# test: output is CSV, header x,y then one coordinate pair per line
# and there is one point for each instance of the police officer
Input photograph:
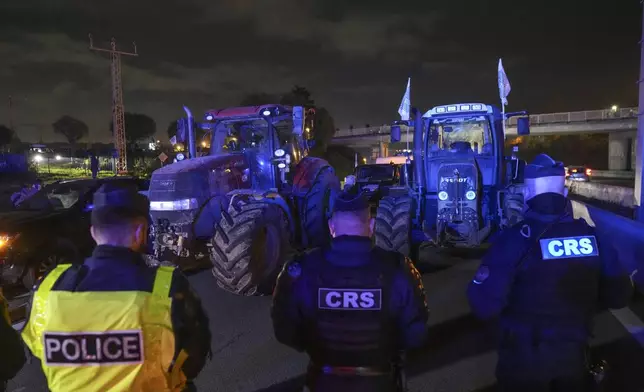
x,y
113,323
351,307
12,354
545,277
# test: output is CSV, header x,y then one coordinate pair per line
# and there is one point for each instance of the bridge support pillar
x,y
383,149
618,152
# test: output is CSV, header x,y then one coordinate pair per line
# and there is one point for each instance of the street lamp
x,y
614,108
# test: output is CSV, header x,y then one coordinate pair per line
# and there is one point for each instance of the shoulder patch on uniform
x,y
481,274
569,247
294,269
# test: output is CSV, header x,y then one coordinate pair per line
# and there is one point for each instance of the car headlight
x,y
442,195
6,240
470,195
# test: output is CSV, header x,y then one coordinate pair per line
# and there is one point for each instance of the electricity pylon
x,y
118,112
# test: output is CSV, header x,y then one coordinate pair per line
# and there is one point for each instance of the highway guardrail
x,y
626,235
620,195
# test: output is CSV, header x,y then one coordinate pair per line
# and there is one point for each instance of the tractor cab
x,y
269,137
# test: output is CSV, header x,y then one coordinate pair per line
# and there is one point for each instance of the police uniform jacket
x,y
116,269
12,354
350,305
549,273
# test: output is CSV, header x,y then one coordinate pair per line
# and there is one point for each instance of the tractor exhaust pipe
x,y
192,144
419,165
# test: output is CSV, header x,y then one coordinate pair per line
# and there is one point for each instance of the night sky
x,y
354,56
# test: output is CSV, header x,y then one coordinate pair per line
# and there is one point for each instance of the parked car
x,y
578,173
49,228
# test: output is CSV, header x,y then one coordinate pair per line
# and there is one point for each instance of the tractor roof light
x,y
281,165
209,117
280,153
266,112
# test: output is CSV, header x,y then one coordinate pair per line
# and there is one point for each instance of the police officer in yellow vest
x,y
113,323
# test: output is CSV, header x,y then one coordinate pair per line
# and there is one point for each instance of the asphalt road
x,y
458,357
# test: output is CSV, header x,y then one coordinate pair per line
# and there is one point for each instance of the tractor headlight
x,y
266,113
174,205
209,117
442,195
470,195
279,153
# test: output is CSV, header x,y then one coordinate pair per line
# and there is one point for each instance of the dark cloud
x,y
353,55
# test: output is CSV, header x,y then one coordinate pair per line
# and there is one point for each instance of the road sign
x,y
163,157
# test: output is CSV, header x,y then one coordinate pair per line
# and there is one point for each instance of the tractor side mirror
x,y
523,126
298,120
395,133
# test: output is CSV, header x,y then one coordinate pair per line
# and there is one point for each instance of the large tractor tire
x,y
393,224
316,209
250,245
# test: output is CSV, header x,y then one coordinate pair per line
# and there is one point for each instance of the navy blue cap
x,y
544,166
116,203
350,201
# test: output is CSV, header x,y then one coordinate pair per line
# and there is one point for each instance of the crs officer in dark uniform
x,y
546,277
113,323
352,307
12,352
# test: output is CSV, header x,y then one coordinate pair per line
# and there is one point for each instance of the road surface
x,y
459,356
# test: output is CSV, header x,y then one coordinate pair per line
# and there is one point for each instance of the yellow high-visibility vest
x,y
105,341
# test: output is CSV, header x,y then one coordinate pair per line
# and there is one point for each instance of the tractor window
x,y
240,136
375,172
464,133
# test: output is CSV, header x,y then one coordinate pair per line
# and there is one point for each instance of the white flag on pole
x,y
504,84
405,105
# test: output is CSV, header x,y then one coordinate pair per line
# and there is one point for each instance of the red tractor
x,y
242,207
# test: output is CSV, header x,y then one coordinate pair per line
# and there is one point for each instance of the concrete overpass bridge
x,y
621,125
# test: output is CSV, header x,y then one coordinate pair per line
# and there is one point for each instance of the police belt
x,y
366,371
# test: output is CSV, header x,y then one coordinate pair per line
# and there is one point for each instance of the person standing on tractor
x,y
352,307
544,277
118,324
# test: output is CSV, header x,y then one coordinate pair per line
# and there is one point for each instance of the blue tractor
x,y
241,206
465,187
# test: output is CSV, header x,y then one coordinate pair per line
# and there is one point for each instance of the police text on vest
x,y
93,348
569,247
349,299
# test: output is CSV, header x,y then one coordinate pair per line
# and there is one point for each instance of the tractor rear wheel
x,y
316,209
249,247
393,224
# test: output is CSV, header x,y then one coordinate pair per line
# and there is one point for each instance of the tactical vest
x,y
557,282
353,325
104,341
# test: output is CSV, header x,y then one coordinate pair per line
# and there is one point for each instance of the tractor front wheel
x,y
393,224
250,245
